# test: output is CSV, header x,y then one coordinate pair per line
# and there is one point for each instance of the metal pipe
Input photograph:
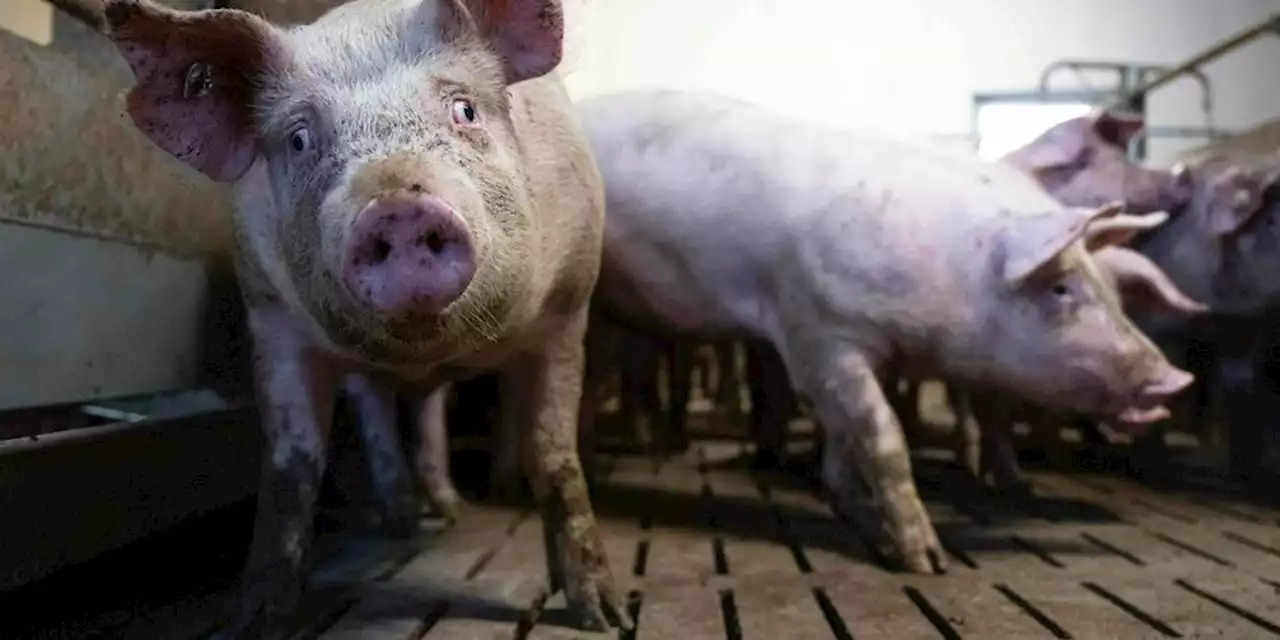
x,y
1271,24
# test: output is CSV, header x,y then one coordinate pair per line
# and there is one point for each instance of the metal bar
x,y
1271,24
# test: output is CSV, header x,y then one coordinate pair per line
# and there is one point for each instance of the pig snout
x,y
408,254
1148,404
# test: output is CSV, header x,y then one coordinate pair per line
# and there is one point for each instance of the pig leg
x,y
639,392
727,382
296,395
967,443
864,436
548,387
504,477
433,454
770,404
679,379
999,459
598,347
374,409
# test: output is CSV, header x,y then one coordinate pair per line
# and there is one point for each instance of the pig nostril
x,y
432,241
380,251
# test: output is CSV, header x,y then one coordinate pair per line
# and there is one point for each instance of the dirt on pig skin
x,y
379,124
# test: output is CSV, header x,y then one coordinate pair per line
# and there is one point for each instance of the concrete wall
x,y
913,65
108,246
86,317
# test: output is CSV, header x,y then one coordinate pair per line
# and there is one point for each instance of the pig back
x,y
721,213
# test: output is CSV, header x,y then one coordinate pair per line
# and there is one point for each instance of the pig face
x,y
1082,163
377,166
1236,213
1062,337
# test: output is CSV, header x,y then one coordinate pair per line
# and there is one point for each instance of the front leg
x,y
863,437
297,388
374,409
967,436
547,387
433,454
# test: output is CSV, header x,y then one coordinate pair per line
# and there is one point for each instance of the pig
x,y
1082,162
415,204
1219,248
1224,250
848,251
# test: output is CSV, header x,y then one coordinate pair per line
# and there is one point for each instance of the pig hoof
x,y
593,598
595,602
923,561
263,614
447,505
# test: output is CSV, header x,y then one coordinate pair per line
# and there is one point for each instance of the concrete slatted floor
x,y
709,551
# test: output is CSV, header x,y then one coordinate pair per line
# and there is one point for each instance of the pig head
x,y
1082,162
1224,249
379,191
1065,340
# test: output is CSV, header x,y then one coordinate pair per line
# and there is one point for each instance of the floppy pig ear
x,y
1031,243
1235,196
1141,284
527,34
1060,145
195,73
1119,230
1117,127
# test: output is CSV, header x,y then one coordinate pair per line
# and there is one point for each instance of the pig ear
x,y
1119,230
1116,127
1061,145
1235,195
195,73
1032,243
527,34
1181,173
1142,284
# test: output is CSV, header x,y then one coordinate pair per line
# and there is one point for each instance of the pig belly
x,y
674,306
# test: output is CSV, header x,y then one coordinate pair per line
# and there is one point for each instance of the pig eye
x,y
300,140
464,112
1061,290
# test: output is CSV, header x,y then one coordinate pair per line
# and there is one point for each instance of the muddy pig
x,y
848,251
414,204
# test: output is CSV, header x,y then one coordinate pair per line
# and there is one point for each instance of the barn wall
x,y
913,65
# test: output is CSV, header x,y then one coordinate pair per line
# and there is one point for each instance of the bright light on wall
x,y
1003,127
31,19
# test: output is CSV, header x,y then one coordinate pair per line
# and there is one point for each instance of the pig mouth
x,y
1141,413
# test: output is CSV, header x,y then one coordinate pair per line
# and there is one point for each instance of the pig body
x,y
848,252
415,204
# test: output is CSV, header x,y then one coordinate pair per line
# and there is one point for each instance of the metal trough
x,y
81,478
